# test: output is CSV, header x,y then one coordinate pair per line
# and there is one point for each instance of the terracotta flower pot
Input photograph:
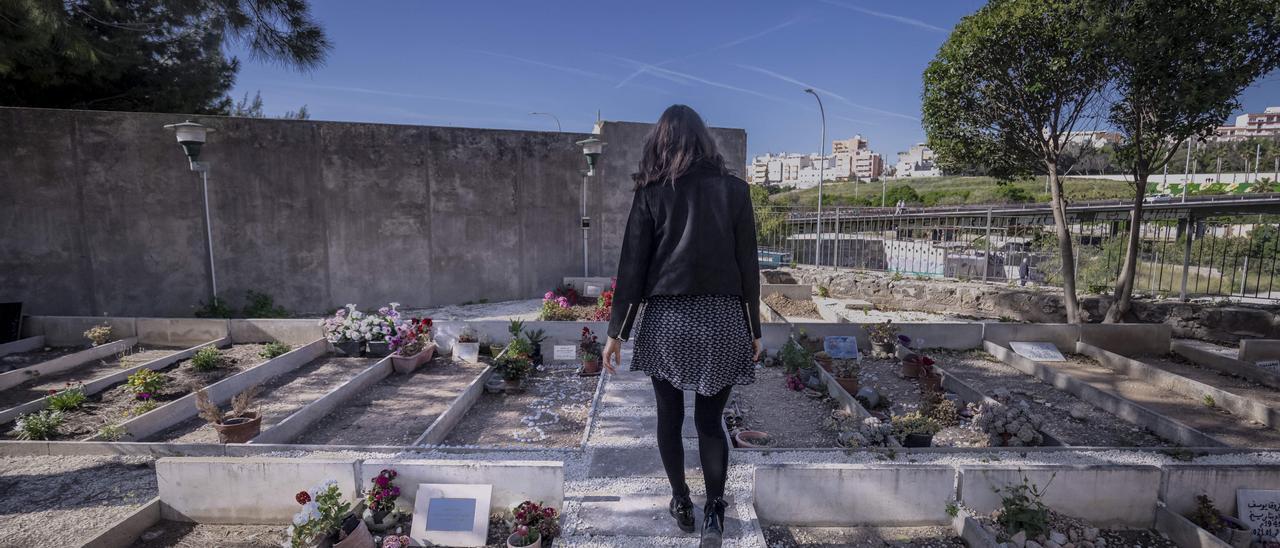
x,y
590,368
407,364
849,384
750,439
535,544
360,537
239,429
910,369
930,382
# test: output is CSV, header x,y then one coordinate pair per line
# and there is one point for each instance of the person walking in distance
x,y
689,261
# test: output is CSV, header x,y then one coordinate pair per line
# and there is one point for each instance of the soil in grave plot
x,y
280,397
39,387
58,501
119,404
904,396
397,409
791,418
782,536
1230,429
792,308
551,412
1239,386
9,362
181,534
1067,418
1081,533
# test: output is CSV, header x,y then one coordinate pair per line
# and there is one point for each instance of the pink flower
x,y
381,481
548,296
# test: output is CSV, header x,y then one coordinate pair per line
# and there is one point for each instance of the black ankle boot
x,y
713,523
681,508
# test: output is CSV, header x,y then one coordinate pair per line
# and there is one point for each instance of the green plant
x,y
215,308
514,368
112,432
535,336
99,334
941,409
953,509
515,328
262,305
321,514
1206,515
41,425
145,383
1209,401
897,276
914,423
845,368
1021,509
67,399
207,359
881,333
823,291
142,407
274,349
793,357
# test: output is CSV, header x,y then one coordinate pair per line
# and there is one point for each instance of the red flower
x,y
302,497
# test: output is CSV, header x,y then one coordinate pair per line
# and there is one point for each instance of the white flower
x,y
312,510
300,519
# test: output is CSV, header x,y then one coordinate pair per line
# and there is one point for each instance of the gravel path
x,y
780,536
1232,430
39,387
1239,386
791,418
10,362
1094,427
551,412
60,501
396,410
280,397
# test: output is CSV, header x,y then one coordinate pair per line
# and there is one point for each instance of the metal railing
x,y
1235,257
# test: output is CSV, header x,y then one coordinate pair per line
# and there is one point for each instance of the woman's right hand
x,y
758,348
612,355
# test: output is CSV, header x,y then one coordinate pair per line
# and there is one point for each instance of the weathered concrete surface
x,y
1184,481
22,345
101,215
10,379
1207,321
1194,351
1185,534
69,330
1138,339
1256,350
180,331
1063,336
822,495
127,529
291,332
1106,495
238,490
439,429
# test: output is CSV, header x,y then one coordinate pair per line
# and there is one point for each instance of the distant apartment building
x,y
1264,124
854,158
849,158
1094,139
917,162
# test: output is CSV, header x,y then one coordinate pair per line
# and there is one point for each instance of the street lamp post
x,y
553,117
191,136
822,153
591,148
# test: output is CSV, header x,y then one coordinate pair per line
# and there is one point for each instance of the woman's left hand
x,y
612,355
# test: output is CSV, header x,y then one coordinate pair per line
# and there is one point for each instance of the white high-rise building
x,y
917,162
849,158
1264,124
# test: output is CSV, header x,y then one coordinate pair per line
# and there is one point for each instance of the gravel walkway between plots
x,y
1230,429
396,410
39,387
1239,386
178,534
1067,418
551,412
10,362
779,536
280,397
791,418
792,308
45,501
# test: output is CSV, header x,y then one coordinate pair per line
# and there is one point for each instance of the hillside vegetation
x,y
942,191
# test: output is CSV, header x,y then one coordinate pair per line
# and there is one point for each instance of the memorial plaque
x,y
451,514
843,348
564,352
1260,510
1038,351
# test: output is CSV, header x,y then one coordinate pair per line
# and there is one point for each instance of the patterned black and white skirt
x,y
695,342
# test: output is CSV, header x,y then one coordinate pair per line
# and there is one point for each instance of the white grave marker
x,y
1259,509
1038,351
564,352
451,514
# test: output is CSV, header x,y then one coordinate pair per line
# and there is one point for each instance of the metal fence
x,y
1231,257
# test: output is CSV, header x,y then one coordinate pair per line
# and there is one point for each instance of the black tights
x,y
713,443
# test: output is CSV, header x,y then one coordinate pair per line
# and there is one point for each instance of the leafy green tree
x,y
145,55
1176,72
904,193
1006,89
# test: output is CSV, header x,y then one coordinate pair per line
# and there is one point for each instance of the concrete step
x,y
642,516
619,462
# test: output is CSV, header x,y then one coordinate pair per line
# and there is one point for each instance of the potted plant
x,y
846,371
514,369
752,439
239,425
556,308
99,335
589,353
535,338
794,359
882,337
914,364
380,512
535,525
379,328
823,359
467,348
1229,529
914,429
412,345
326,518
343,330
930,377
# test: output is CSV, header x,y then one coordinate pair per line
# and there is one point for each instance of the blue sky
x,y
740,64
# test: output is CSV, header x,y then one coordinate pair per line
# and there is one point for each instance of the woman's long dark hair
x,y
679,142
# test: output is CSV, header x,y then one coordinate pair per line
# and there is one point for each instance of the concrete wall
x,y
102,217
1130,499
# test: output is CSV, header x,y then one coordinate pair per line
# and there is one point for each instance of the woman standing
x,y
689,255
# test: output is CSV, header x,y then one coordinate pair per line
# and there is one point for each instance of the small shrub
x,y
823,291
1022,510
99,334
112,432
207,359
262,305
942,410
913,423
274,350
145,383
41,425
1209,401
67,399
953,509
897,276
142,407
215,308
1206,515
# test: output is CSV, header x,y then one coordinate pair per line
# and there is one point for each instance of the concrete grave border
x,y
22,345
126,530
12,378
1226,364
311,413
1256,350
440,428
1071,489
69,330
817,495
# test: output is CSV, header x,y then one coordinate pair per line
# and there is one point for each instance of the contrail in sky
x,y
837,96
883,15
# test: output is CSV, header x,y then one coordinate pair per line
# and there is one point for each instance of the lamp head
x,y
191,136
591,148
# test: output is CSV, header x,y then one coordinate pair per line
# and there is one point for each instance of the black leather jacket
x,y
696,237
